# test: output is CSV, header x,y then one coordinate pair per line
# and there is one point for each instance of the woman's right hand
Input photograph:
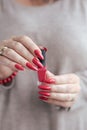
x,y
19,53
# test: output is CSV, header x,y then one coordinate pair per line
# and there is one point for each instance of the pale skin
x,y
20,50
65,90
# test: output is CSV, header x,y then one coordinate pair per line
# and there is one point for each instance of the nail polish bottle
x,y
42,75
42,71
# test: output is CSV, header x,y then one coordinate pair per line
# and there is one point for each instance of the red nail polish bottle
x,y
42,71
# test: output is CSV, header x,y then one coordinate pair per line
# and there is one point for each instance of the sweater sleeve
x,y
9,86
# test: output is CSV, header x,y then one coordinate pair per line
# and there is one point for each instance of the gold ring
x,y
2,49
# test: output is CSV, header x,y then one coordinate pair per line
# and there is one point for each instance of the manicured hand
x,y
19,53
61,90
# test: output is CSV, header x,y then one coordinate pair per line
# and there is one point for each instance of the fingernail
x,y
19,67
38,54
50,81
30,66
43,98
44,87
37,62
44,93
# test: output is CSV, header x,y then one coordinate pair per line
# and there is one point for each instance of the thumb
x,y
49,75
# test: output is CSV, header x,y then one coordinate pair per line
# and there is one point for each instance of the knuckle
x,y
69,97
21,61
68,88
71,88
67,104
8,51
77,78
17,45
52,88
24,37
73,78
54,95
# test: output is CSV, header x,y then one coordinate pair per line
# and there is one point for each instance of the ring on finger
x,y
2,49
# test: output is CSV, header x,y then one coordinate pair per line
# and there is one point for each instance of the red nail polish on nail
x,y
44,87
19,67
49,81
44,93
43,98
30,66
38,54
37,62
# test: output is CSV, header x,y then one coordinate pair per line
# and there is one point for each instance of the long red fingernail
x,y
43,98
30,66
37,62
50,81
19,67
44,93
38,54
44,87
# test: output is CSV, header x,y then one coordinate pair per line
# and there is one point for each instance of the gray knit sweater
x,y
62,28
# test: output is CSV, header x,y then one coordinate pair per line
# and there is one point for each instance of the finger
x,y
30,45
22,51
5,71
63,79
56,102
59,96
15,57
66,79
12,65
49,74
65,88
62,88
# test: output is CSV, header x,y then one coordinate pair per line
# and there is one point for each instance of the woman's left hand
x,y
63,91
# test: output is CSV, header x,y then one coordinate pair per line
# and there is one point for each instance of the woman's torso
x,y
62,28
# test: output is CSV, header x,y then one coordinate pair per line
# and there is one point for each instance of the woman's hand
x,y
18,53
63,92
